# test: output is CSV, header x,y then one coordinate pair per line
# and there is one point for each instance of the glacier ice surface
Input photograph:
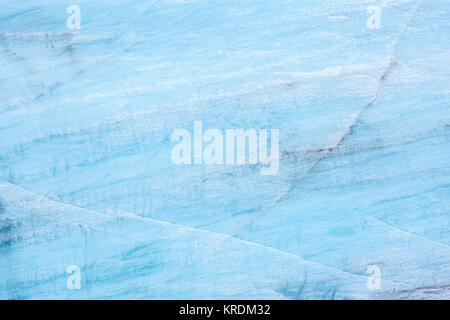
x,y
86,177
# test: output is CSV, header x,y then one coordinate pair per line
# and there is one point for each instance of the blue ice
x,y
86,177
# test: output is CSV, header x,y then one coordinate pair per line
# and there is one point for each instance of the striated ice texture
x,y
86,177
